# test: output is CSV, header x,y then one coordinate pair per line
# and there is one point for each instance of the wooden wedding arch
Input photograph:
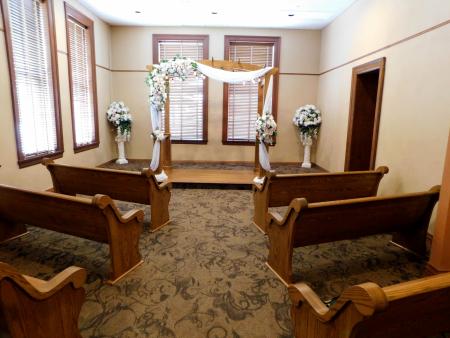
x,y
232,66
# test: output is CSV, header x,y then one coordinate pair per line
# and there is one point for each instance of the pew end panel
x,y
414,309
414,238
124,232
160,194
31,307
281,241
261,201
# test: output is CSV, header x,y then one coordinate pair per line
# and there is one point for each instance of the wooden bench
x,y
34,308
280,189
138,187
95,218
406,216
419,308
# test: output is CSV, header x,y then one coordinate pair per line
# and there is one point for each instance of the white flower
x,y
119,115
266,128
308,119
158,135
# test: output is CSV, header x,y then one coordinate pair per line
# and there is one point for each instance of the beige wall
x,y
132,50
36,177
415,114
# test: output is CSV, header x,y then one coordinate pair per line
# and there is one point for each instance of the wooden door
x,y
364,116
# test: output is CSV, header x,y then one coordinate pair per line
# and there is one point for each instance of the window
x,y
189,98
240,106
30,41
83,91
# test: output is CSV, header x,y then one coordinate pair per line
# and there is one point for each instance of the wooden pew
x,y
407,216
419,308
280,189
95,218
138,187
34,308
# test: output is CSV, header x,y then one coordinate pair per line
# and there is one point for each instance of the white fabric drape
x,y
227,77
156,118
267,109
156,125
231,77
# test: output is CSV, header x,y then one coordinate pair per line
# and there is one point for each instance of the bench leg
x,y
280,252
124,248
9,231
159,208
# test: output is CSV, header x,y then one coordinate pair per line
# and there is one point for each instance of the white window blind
x,y
243,98
187,114
33,78
84,117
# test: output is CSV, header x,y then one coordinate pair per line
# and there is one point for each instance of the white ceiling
x,y
307,14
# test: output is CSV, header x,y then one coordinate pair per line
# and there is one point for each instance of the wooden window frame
x,y
205,39
276,41
35,159
80,18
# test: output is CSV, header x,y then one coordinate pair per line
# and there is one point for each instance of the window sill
x,y
23,163
238,143
243,143
86,147
188,142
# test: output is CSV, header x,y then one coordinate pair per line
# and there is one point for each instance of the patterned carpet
x,y
204,275
282,168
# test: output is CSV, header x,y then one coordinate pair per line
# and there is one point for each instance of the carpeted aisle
x,y
204,275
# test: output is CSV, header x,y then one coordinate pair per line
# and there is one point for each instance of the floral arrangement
x,y
177,68
266,127
119,116
308,120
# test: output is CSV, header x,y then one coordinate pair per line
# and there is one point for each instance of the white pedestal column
x,y
120,139
307,142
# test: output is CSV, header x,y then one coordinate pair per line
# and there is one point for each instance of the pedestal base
x,y
121,161
306,165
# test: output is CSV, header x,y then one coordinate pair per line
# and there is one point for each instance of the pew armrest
x,y
164,186
367,299
261,187
295,206
302,293
40,289
132,214
382,169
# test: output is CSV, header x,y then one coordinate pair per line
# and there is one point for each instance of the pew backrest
x,y
323,222
118,184
283,188
77,216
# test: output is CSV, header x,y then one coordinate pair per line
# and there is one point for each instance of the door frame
x,y
378,64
